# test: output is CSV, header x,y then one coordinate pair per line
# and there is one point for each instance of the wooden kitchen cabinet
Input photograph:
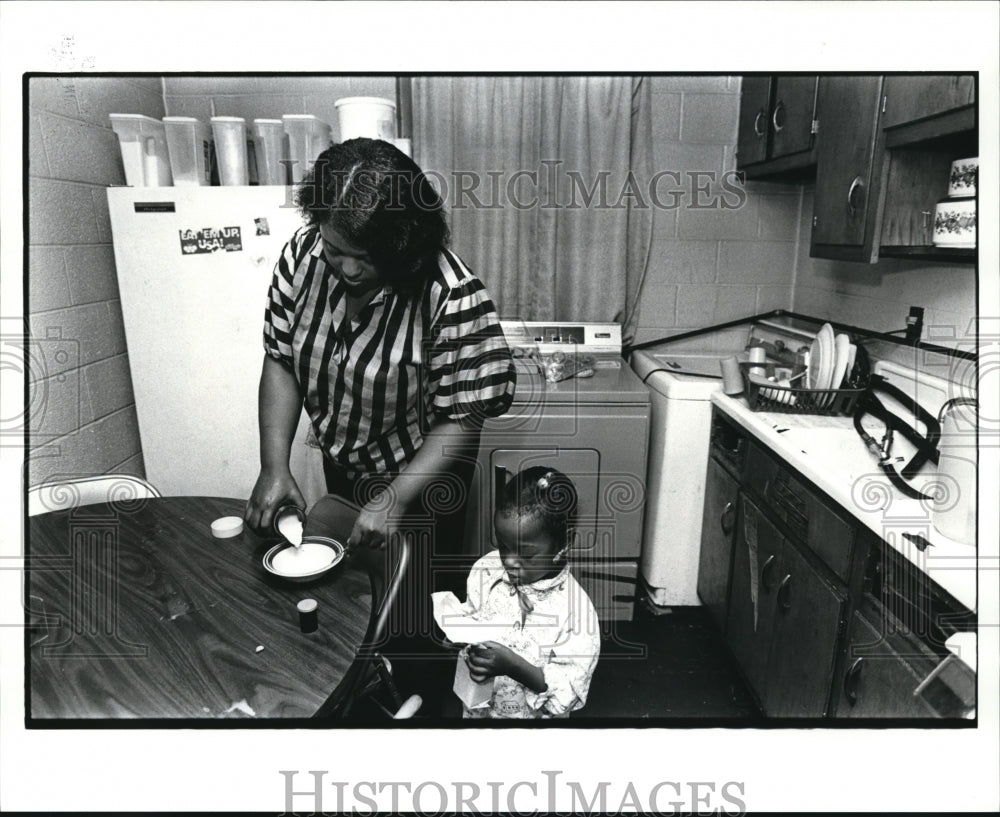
x,y
884,152
807,621
911,99
824,618
793,115
784,620
719,520
877,682
929,121
750,619
755,107
776,125
846,206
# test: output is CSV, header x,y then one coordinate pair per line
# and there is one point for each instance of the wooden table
x,y
136,611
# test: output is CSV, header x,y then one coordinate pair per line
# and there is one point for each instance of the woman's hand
x,y
489,659
272,490
370,529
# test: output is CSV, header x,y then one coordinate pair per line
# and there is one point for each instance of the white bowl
x,y
318,556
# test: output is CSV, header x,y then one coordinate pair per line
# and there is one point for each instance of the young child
x,y
542,663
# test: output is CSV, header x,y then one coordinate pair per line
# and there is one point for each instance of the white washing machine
x,y
680,417
681,384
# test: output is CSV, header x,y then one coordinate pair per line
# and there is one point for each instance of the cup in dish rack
x,y
783,394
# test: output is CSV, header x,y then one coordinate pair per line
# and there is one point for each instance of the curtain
x,y
536,173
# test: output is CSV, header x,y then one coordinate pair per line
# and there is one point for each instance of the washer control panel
x,y
544,338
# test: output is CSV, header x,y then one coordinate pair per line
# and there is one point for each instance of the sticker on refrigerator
x,y
211,239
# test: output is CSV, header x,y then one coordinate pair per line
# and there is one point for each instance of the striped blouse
x,y
370,386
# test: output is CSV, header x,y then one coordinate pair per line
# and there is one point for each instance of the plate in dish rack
x,y
822,356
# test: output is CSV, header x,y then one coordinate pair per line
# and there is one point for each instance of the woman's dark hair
x,y
544,493
377,197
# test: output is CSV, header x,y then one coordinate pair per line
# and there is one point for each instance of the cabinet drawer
x,y
808,517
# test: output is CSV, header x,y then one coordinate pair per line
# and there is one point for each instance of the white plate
x,y
821,359
842,345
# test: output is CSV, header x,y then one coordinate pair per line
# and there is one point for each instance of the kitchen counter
x,y
828,452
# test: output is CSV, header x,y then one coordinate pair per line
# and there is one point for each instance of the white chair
x,y
59,494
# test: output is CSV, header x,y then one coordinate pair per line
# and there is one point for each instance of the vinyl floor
x,y
667,667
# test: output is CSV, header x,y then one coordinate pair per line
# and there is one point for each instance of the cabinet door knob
x,y
758,122
726,520
852,191
784,593
851,682
779,114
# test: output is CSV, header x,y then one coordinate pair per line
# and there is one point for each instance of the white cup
x,y
732,378
231,150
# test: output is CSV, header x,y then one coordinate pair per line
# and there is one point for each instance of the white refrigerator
x,y
194,266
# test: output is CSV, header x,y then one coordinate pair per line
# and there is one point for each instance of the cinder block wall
x,y
712,265
82,412
879,296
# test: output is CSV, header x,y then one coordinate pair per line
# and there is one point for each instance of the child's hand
x,y
489,659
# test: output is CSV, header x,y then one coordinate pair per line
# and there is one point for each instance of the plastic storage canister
x,y
231,150
189,143
308,136
954,513
369,116
143,142
271,140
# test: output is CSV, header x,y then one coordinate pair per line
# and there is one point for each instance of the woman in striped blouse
x,y
392,343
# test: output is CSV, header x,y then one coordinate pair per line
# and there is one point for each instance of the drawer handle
x,y
778,109
763,572
727,518
784,593
851,682
758,123
500,478
852,205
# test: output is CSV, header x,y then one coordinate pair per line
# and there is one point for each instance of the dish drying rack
x,y
769,396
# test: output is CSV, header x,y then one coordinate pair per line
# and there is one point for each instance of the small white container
x,y
189,143
231,150
143,142
955,223
272,141
366,116
308,136
963,178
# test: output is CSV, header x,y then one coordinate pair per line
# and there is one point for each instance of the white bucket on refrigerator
x,y
231,150
271,140
189,143
308,136
143,142
368,116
